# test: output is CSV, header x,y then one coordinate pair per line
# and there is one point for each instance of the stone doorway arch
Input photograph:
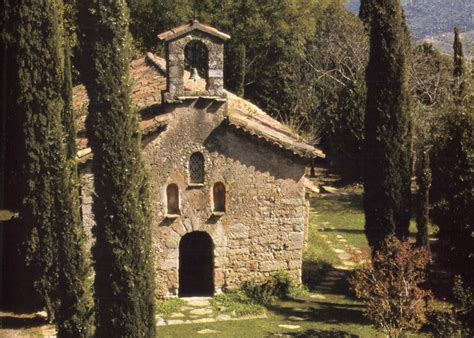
x,y
196,265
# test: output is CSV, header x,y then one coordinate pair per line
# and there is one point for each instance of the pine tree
x,y
49,226
387,169
124,276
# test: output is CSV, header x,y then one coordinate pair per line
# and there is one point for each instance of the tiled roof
x,y
190,26
149,79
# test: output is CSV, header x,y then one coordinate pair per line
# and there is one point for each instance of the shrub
x,y
464,306
168,306
236,302
389,287
441,320
277,286
454,320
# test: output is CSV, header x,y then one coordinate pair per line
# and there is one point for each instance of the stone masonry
x,y
262,229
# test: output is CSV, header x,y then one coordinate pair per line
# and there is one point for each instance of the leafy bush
x,y
168,306
458,320
441,320
389,287
463,310
236,302
277,286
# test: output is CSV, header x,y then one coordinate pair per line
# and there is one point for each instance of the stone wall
x,y
262,230
175,66
263,227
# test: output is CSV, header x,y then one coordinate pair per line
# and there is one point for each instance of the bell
x,y
194,75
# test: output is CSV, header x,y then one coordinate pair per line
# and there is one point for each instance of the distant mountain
x,y
432,18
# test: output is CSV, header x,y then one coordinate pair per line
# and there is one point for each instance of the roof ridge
x,y
156,62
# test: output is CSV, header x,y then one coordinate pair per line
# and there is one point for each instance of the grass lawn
x,y
336,314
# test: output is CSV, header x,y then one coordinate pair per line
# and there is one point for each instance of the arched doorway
x,y
196,275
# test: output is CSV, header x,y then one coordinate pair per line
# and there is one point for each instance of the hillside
x,y
432,18
444,42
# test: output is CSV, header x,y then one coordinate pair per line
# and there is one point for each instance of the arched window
x,y
196,168
218,193
172,199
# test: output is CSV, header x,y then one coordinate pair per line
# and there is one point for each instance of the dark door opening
x,y
196,277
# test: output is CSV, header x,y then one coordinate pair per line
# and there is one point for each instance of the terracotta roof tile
x,y
149,79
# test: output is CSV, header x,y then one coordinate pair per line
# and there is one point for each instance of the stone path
x,y
198,310
338,272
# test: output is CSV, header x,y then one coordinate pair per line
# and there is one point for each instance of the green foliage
x,y
277,286
236,302
123,260
464,305
43,180
442,322
390,289
74,314
423,204
168,306
453,179
458,55
337,57
387,172
454,320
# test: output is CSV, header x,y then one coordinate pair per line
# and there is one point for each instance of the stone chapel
x,y
226,180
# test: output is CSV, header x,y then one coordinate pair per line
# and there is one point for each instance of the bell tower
x,y
176,41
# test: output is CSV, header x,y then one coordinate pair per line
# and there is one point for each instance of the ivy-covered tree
x,y
123,261
44,187
387,172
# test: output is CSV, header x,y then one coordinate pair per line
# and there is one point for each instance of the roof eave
x,y
194,25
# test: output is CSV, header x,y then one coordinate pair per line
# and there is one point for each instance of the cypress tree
x,y
35,118
458,71
458,55
364,11
49,228
74,313
387,169
423,208
453,175
124,276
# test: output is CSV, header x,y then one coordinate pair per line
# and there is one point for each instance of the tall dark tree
x,y
459,71
423,203
387,171
43,180
453,173
124,276
458,55
364,10
74,312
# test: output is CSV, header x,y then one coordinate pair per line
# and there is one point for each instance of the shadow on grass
x,y
347,231
338,203
315,333
13,322
313,272
325,312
